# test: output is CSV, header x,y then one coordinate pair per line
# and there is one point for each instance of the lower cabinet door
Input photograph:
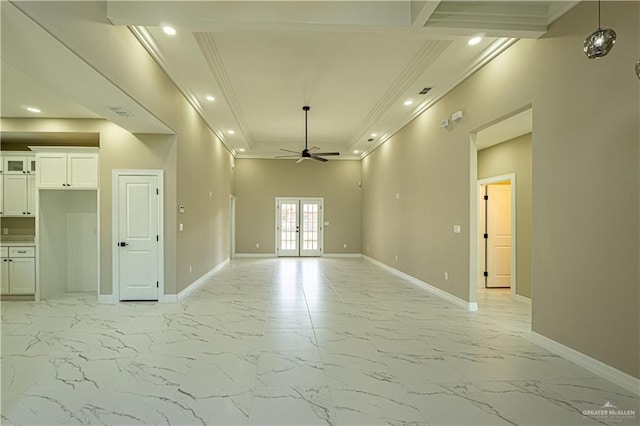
x,y
22,273
4,276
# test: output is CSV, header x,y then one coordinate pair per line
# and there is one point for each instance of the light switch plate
x,y
457,229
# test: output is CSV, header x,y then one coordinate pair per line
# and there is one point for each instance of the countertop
x,y
17,242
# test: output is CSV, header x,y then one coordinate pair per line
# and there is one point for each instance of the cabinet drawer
x,y
22,252
4,251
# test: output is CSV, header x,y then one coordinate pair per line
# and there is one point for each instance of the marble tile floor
x,y
292,342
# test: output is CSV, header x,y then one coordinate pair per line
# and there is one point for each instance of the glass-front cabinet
x,y
17,163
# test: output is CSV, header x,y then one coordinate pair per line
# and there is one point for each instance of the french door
x,y
299,226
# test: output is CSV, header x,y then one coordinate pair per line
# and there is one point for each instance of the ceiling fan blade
x,y
315,157
288,150
313,149
326,153
300,160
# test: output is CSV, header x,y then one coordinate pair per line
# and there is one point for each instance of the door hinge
x,y
486,274
157,284
157,238
157,191
486,236
486,197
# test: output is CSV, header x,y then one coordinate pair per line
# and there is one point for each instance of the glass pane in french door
x,y
289,226
309,226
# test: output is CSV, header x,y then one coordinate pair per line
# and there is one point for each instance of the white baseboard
x,y
521,298
254,255
197,283
342,255
612,374
106,299
469,306
168,298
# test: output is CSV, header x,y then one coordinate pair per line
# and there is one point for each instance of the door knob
x,y
123,244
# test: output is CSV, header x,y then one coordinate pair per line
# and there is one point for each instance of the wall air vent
x,y
121,111
424,91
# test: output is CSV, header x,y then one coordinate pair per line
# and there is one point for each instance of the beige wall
x,y
259,182
202,164
586,184
514,156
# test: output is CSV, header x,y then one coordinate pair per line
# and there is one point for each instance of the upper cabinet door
x,y
82,170
15,195
52,171
13,164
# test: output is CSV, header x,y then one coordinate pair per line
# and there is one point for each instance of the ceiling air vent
x,y
121,111
424,91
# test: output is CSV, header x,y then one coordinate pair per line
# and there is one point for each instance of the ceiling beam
x,y
425,13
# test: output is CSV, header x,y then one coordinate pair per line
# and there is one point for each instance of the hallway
x,y
291,341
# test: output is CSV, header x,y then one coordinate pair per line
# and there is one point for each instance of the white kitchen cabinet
x,y
15,195
18,198
17,189
67,170
4,269
18,270
18,163
31,195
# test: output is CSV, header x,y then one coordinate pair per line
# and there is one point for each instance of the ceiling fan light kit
x,y
308,153
600,42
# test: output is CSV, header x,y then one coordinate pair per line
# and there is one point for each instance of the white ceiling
x,y
354,63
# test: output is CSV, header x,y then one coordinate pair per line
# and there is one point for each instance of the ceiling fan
x,y
308,153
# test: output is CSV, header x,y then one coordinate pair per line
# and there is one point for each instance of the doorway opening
x,y
232,226
299,227
501,224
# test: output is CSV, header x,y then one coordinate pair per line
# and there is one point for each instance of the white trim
x,y
342,255
197,283
612,374
511,178
521,298
249,255
115,174
469,306
107,299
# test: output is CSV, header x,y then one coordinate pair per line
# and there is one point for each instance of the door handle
x,y
122,244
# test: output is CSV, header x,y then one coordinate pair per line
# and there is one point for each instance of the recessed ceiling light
x,y
408,102
231,132
210,98
32,109
356,152
373,135
474,41
169,30
241,149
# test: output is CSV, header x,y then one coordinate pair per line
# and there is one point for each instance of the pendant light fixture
x,y
600,42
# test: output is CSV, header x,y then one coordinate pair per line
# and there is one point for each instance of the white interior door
x,y
299,227
138,235
498,230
